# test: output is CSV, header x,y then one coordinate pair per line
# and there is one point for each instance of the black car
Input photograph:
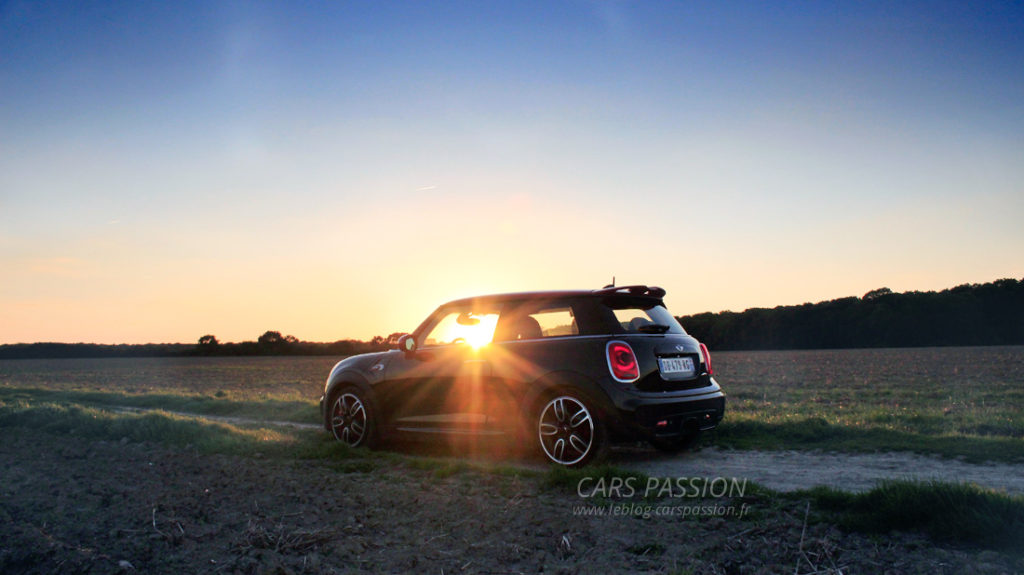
x,y
566,372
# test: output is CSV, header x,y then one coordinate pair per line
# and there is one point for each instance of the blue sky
x,y
335,170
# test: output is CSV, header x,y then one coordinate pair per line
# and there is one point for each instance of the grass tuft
x,y
220,403
946,512
652,549
439,467
168,429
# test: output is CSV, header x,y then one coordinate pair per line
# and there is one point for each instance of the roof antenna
x,y
611,285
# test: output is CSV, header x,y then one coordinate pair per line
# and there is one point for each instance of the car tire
x,y
676,444
352,418
570,431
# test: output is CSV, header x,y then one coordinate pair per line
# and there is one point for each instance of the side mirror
x,y
407,343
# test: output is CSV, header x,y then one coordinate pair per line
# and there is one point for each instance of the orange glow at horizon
x,y
113,288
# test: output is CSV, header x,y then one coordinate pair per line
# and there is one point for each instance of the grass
x,y
652,549
175,430
233,378
267,389
946,512
439,468
569,479
163,428
222,404
953,402
347,459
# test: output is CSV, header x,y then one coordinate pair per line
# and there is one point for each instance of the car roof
x,y
632,290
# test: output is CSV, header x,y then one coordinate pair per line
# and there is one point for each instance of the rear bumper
x,y
670,417
673,420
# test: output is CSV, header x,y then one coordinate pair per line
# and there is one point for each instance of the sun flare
x,y
480,334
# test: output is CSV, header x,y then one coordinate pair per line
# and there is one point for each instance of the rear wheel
x,y
352,418
570,431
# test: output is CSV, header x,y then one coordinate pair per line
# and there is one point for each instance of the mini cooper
x,y
564,373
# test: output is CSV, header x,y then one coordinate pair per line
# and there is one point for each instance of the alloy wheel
x,y
566,430
348,419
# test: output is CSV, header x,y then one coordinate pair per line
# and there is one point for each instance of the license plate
x,y
676,365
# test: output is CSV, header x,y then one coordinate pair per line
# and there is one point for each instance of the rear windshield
x,y
642,315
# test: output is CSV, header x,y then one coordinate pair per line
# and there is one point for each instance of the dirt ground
x,y
74,506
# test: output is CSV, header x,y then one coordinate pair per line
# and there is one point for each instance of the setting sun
x,y
482,333
474,329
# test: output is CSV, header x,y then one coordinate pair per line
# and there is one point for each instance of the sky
x,y
336,170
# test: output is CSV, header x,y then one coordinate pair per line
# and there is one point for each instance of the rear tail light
x,y
707,358
622,361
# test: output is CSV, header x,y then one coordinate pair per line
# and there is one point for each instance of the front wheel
x,y
352,418
570,432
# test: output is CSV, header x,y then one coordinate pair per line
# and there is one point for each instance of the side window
x,y
545,322
463,326
556,322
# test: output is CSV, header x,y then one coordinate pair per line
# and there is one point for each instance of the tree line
x,y
273,343
969,314
270,343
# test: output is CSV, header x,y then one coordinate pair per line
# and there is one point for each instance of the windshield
x,y
463,326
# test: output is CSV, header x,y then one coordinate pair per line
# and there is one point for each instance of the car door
x,y
442,386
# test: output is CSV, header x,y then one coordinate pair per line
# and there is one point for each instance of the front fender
x,y
359,370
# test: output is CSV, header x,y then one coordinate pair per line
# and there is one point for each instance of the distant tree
x,y
291,339
271,338
877,293
208,341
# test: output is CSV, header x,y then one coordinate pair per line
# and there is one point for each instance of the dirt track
x,y
793,470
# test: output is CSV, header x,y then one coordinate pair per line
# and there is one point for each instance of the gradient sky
x,y
336,170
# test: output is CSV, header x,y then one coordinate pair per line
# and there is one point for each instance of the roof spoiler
x,y
633,290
